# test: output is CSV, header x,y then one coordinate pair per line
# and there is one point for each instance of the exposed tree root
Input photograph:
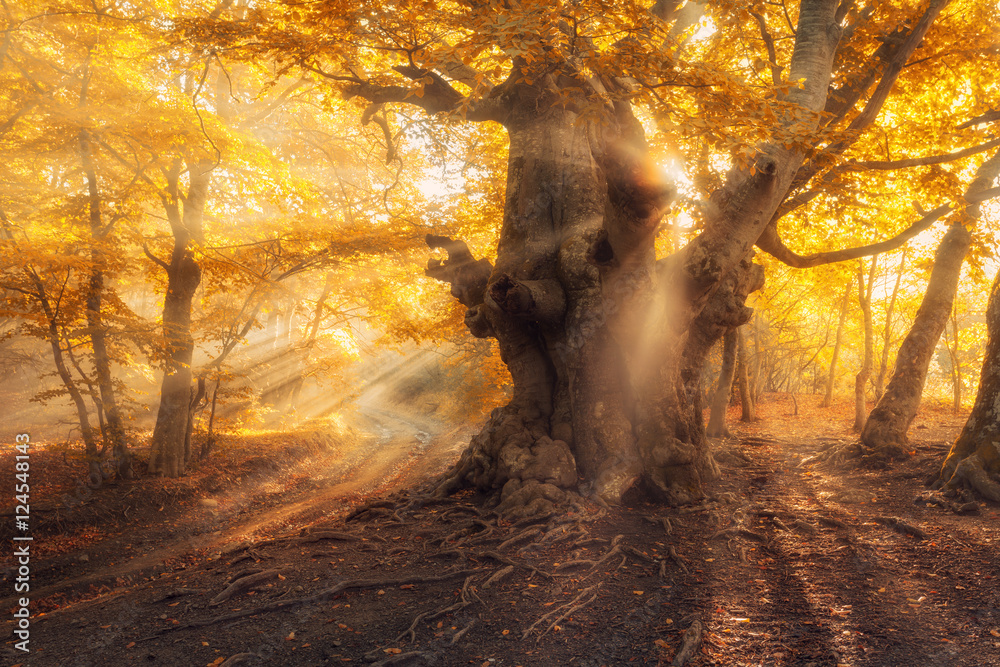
x,y
431,615
901,526
244,584
404,658
740,532
689,644
661,521
563,611
461,633
321,596
328,535
971,472
805,527
677,559
497,577
830,521
840,454
241,659
178,592
704,507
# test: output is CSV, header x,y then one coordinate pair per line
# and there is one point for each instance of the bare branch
x,y
923,161
771,243
772,56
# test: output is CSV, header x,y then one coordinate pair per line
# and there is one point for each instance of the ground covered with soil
x,y
335,556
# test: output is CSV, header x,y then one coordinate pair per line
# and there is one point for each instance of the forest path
x,y
392,449
836,577
786,564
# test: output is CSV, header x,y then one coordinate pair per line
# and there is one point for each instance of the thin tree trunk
x,y
115,425
758,360
86,431
887,331
170,449
956,369
723,388
861,379
748,408
209,444
832,377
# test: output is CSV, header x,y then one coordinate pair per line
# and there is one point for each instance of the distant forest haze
x,y
583,225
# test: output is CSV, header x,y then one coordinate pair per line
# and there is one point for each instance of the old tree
x,y
761,105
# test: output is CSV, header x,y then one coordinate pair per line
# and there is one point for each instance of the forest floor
x,y
335,557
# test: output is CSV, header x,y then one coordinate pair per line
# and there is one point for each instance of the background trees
x,y
246,185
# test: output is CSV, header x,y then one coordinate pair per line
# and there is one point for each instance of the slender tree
x,y
723,388
831,378
861,379
883,365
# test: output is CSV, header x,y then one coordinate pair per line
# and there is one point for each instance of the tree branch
x,y
772,56
436,96
156,260
467,275
772,244
922,161
896,49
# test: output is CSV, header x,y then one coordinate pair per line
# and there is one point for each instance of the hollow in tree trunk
x,y
974,459
723,388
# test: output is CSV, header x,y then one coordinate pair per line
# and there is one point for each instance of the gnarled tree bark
x,y
604,343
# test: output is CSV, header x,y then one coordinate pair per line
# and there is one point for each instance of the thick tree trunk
x,y
723,388
861,379
605,345
974,459
831,379
748,406
887,331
